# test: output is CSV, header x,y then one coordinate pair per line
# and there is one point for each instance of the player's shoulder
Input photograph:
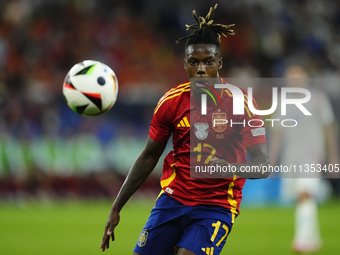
x,y
179,90
231,90
174,96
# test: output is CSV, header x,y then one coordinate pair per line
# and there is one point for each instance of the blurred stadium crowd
x,y
45,148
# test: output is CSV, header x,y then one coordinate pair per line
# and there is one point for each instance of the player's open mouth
x,y
202,84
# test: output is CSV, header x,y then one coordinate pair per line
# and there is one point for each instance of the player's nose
x,y
201,69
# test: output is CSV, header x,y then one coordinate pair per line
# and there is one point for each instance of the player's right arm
x,y
140,170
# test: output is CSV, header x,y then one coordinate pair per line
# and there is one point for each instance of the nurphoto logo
x,y
238,104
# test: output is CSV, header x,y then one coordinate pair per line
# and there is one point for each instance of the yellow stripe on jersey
x,y
228,92
166,182
250,114
246,107
174,90
246,100
231,200
173,93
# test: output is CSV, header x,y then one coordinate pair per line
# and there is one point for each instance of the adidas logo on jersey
x,y
183,123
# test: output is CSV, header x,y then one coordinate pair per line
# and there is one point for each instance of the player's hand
x,y
214,161
111,223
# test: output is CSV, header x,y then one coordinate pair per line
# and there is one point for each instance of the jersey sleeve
x,y
253,130
161,123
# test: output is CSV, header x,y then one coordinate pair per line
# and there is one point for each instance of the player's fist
x,y
222,167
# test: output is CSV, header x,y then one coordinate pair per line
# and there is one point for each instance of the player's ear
x,y
220,63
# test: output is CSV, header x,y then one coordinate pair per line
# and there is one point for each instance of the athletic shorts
x,y
199,229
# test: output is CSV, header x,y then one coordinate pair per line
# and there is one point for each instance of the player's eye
x,y
209,62
192,63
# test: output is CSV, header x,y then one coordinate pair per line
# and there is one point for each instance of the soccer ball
x,y
90,88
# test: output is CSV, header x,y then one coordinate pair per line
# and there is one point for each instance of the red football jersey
x,y
196,138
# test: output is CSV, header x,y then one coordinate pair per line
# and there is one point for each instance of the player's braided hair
x,y
206,31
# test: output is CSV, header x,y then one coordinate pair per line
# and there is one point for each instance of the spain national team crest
x,y
219,121
142,238
201,130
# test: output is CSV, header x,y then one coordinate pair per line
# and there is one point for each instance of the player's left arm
x,y
260,159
